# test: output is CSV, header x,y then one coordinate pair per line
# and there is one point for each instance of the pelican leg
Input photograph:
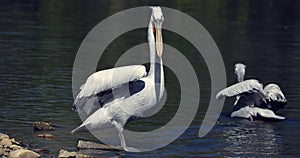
x,y
251,118
122,138
120,129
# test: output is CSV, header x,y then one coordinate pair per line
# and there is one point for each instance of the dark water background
x,y
39,41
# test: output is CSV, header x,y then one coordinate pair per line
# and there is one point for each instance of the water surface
x,y
39,41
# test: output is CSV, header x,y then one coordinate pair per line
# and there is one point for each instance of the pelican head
x,y
239,70
156,21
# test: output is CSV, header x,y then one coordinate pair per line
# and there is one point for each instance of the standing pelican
x,y
113,96
252,101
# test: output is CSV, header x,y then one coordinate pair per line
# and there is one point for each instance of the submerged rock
x,y
46,135
43,126
92,145
23,153
42,152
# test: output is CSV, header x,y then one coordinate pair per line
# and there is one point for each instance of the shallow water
x,y
39,41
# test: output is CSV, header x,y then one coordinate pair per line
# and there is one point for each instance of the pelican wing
x,y
97,90
258,113
274,93
110,78
248,86
266,114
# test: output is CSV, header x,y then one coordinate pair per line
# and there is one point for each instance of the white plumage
x,y
248,86
110,78
250,112
252,100
110,97
115,79
240,71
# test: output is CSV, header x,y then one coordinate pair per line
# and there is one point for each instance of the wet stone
x,y
15,142
3,136
92,145
23,153
66,154
72,154
43,126
46,135
15,147
40,150
2,151
5,142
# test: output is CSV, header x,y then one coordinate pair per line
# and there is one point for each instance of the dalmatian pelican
x,y
111,97
252,100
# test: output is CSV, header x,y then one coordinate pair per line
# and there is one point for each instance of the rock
x,y
11,148
72,154
92,145
15,147
43,126
23,153
64,154
40,150
46,135
3,136
14,141
7,150
83,156
6,154
2,151
5,142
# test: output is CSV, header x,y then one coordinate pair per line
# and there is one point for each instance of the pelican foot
x,y
131,149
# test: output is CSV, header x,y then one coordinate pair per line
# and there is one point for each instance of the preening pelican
x,y
252,100
110,97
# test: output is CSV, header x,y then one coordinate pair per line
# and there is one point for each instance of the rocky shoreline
x,y
11,148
